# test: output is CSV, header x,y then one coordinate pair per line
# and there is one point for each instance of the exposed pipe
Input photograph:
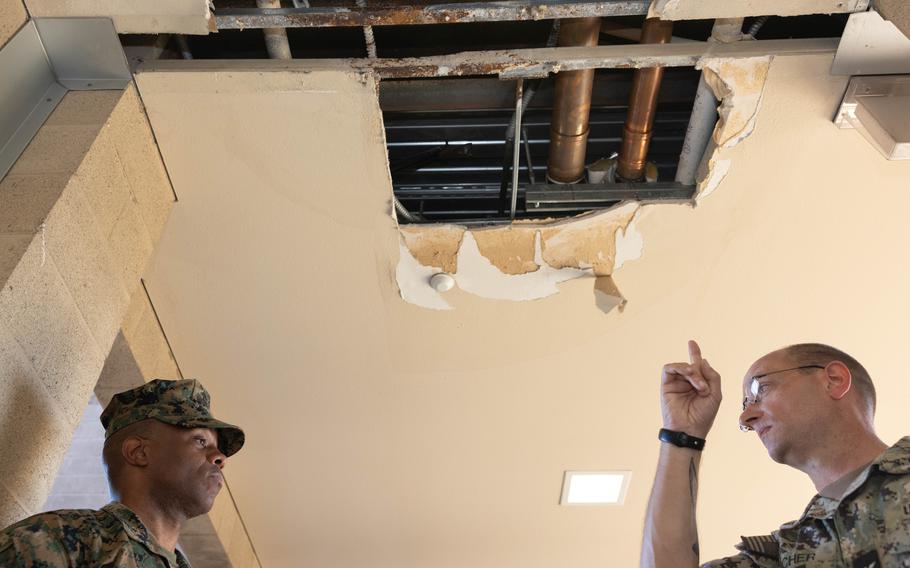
x,y
404,213
517,147
757,25
698,133
184,46
524,135
276,39
636,135
572,106
508,150
368,38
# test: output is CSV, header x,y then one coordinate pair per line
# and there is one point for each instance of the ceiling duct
x,y
636,135
572,106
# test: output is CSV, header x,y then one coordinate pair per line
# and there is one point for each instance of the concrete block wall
x,y
80,212
12,16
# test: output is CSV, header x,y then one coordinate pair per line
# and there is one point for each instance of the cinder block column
x,y
80,213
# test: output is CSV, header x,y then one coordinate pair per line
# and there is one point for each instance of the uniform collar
x,y
137,531
895,461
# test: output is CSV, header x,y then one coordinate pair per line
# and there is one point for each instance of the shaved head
x,y
113,455
819,353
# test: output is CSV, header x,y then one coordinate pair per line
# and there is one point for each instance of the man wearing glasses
x,y
812,406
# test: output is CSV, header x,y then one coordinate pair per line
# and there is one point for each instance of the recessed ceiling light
x,y
595,487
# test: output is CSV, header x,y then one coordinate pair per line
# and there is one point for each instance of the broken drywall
x,y
513,250
711,9
438,249
738,84
587,241
630,243
523,261
526,261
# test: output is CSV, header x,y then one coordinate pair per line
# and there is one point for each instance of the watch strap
x,y
681,439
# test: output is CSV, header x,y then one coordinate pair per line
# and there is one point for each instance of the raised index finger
x,y
694,353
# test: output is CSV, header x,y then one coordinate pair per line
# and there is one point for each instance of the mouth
x,y
762,431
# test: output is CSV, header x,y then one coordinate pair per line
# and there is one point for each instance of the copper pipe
x,y
636,135
572,106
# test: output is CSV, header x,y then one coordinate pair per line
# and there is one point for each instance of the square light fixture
x,y
595,487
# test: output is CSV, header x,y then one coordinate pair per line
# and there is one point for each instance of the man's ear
x,y
839,379
135,451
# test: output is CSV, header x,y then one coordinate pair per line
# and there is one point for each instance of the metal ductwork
x,y
636,135
572,106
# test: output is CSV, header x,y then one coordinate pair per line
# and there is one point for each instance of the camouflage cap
x,y
183,403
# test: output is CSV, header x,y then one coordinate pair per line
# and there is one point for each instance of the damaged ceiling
x,y
385,434
382,433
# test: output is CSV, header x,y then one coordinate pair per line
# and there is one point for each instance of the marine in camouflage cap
x,y
165,453
183,403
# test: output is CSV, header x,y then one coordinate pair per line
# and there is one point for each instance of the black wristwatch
x,y
681,439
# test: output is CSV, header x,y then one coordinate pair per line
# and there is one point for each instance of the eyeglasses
x,y
757,389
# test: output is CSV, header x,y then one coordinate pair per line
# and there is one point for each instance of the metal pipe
x,y
276,39
184,46
368,37
524,135
572,106
636,134
757,25
516,155
508,150
698,133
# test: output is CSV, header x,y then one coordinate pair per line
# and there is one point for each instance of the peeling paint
x,y
586,242
606,295
630,243
716,172
739,84
519,262
479,276
511,249
434,245
414,281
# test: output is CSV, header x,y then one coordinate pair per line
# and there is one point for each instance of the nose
x,y
217,458
749,416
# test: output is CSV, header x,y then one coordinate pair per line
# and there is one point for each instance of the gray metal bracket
x,y
44,60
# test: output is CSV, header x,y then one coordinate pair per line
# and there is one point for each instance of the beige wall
x,y
133,16
384,434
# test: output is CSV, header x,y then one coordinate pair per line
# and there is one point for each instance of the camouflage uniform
x,y
114,536
868,528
